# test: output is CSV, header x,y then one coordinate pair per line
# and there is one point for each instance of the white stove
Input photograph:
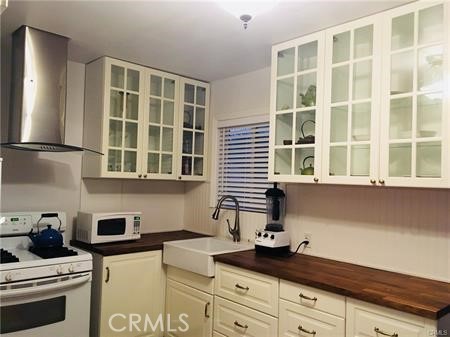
x,y
56,288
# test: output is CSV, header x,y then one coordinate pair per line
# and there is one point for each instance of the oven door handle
x,y
34,289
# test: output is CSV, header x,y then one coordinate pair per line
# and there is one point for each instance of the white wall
x,y
52,181
404,230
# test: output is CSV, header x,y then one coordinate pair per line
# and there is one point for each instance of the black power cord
x,y
305,242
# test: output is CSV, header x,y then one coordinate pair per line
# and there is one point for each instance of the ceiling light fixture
x,y
247,10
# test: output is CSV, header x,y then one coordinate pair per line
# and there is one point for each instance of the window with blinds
x,y
243,156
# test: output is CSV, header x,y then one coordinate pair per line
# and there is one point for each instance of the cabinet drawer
x,y
193,280
298,320
252,289
365,319
313,298
232,319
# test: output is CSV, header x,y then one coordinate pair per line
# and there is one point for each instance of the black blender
x,y
273,240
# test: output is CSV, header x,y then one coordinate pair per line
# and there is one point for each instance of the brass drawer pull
x,y
206,309
381,332
312,332
308,298
237,285
239,325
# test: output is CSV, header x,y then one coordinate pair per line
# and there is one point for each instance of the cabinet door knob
x,y
312,332
381,332
237,285
139,175
314,299
145,176
239,325
373,181
316,180
206,309
107,275
179,177
381,181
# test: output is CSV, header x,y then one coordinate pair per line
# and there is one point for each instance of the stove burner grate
x,y
7,257
52,252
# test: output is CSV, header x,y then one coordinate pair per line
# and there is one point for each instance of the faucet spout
x,y
235,231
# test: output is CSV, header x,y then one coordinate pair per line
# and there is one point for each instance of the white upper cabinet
x,y
296,110
365,102
134,115
414,120
352,102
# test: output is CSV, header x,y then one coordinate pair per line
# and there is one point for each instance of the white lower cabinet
x,y
125,289
368,320
298,320
234,320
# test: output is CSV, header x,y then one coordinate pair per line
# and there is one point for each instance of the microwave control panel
x,y
137,225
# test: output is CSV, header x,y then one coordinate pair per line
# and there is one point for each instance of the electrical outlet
x,y
308,236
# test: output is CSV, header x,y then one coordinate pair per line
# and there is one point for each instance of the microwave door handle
x,y
32,290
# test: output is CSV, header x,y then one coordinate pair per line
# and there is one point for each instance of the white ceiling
x,y
195,39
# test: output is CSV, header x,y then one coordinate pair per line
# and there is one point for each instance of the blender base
x,y
278,251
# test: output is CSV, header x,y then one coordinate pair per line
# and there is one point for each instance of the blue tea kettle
x,y
49,237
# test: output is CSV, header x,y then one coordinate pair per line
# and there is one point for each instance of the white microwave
x,y
95,227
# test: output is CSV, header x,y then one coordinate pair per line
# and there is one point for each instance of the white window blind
x,y
243,156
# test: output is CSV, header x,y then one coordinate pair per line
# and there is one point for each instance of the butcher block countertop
x,y
415,295
147,242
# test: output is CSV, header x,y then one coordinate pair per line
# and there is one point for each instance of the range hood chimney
x,y
38,92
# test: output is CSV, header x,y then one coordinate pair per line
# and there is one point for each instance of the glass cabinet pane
x,y
285,94
306,90
400,118
283,129
428,160
305,127
200,118
198,166
153,163
307,56
117,76
339,124
189,93
338,161
131,135
167,139
362,80
155,111
283,161
361,116
402,72
363,42
129,161
201,96
341,47
132,80
360,160
116,103
169,88
285,62
304,161
155,85
429,115
186,165
132,106
166,164
187,142
115,133
168,113
153,138
430,71
199,141
114,160
188,117
339,84
431,26
402,34
400,160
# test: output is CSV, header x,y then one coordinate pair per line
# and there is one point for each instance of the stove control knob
x,y
59,270
71,269
266,235
272,237
259,234
8,277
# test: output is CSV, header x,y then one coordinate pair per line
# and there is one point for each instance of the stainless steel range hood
x,y
38,92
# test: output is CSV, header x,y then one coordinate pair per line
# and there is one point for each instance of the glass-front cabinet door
x,y
161,120
123,119
352,103
414,131
194,116
296,110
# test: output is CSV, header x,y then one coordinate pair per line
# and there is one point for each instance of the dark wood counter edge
x,y
147,242
349,280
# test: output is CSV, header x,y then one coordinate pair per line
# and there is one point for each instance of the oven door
x,y
55,306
